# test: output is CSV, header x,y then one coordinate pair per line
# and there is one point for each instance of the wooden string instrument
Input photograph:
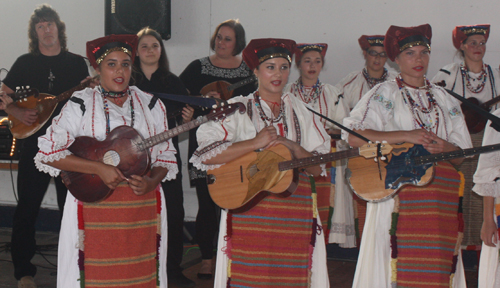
x,y
241,183
226,89
475,122
45,104
125,149
473,118
408,164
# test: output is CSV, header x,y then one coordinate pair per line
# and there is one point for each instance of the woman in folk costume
x,y
120,241
278,242
324,99
486,185
471,78
352,88
413,238
357,83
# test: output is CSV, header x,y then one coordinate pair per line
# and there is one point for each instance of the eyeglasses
x,y
475,44
374,53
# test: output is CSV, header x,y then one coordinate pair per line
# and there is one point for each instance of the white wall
x,y
338,23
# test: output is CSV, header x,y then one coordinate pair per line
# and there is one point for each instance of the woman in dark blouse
x,y
226,65
152,74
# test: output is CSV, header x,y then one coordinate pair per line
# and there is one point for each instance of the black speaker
x,y
130,16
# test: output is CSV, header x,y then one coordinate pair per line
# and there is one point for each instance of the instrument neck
x,y
486,105
316,160
164,136
455,154
67,94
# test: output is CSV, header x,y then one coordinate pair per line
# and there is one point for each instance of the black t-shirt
x,y
171,84
49,74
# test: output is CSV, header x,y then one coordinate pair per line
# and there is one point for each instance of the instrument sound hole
x,y
111,158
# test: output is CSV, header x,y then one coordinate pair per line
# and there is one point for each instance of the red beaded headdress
x,y
460,33
398,39
302,48
99,48
367,41
260,50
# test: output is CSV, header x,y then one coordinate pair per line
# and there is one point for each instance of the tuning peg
x,y
385,142
383,158
214,106
28,87
375,159
17,87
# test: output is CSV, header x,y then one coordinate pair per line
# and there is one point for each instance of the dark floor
x,y
341,272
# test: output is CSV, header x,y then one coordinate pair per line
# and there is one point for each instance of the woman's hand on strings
x,y
265,137
438,145
141,184
110,175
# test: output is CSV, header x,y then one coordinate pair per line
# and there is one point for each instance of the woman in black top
x,y
226,65
152,74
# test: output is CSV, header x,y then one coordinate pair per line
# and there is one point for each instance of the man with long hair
x,y
51,69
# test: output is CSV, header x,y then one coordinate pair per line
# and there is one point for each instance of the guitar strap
x,y
340,125
495,121
193,100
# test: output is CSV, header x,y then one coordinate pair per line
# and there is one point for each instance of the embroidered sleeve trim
x,y
209,152
42,158
487,189
172,167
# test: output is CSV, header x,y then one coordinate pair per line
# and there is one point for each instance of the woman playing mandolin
x,y
324,99
479,82
471,77
96,235
201,77
251,239
410,239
